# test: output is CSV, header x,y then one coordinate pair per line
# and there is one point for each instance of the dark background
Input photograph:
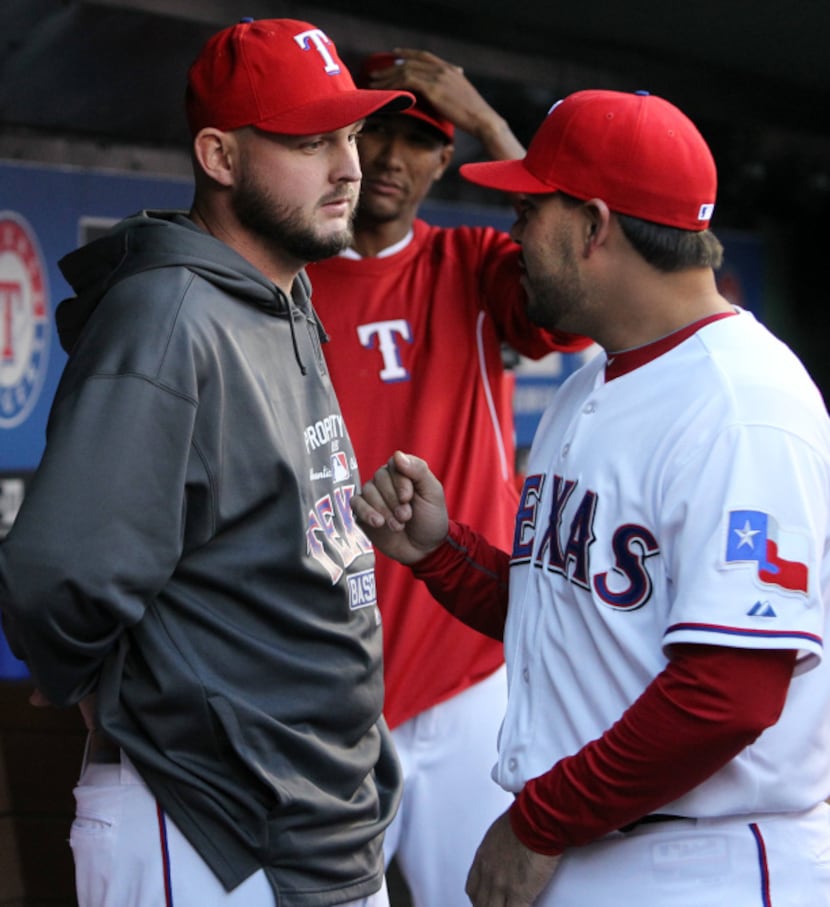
x,y
101,82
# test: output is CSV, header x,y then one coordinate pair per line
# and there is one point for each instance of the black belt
x,y
652,818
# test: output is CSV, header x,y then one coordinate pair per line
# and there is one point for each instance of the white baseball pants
x,y
748,861
449,797
128,853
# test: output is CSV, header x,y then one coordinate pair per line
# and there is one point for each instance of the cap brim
x,y
508,176
336,111
445,128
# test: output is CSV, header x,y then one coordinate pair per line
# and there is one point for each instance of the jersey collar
x,y
384,253
627,360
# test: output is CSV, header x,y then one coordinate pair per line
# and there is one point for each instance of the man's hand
x,y
505,873
453,96
402,509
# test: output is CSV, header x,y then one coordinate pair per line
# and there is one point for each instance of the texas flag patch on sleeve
x,y
781,556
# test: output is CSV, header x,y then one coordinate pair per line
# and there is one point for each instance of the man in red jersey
x,y
417,316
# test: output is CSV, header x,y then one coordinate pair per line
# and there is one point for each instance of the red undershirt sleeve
x,y
469,577
706,706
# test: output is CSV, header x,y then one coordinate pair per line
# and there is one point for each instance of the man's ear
x,y
216,153
597,219
447,152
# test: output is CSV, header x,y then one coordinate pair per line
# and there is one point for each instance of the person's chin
x,y
535,312
339,232
379,203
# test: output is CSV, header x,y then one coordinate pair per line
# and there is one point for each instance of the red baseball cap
x,y
635,151
280,75
421,110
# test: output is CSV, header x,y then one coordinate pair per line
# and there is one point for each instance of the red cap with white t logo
x,y
279,75
635,151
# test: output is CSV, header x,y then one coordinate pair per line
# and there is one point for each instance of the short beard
x,y
554,298
282,228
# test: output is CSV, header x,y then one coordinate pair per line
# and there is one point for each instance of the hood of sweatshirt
x,y
160,239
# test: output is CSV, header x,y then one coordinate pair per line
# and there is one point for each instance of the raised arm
x,y
454,97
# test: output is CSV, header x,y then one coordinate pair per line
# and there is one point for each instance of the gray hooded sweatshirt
x,y
186,548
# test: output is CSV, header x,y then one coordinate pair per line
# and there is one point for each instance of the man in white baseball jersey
x,y
665,602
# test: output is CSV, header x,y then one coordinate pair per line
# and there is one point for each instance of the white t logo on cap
x,y
319,39
706,212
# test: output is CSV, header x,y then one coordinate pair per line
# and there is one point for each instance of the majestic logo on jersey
x,y
386,336
780,556
762,609
564,548
24,320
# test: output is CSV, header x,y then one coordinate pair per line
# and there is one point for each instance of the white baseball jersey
x,y
685,501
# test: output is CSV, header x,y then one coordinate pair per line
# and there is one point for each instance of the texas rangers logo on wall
x,y
24,321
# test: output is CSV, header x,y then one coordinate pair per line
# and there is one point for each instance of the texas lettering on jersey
x,y
333,538
565,549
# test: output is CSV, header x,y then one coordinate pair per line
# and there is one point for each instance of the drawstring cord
x,y
291,310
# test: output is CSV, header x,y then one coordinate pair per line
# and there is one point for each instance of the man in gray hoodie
x,y
185,564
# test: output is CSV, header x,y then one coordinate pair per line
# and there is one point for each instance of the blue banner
x,y
45,212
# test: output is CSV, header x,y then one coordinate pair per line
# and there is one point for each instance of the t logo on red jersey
x,y
384,335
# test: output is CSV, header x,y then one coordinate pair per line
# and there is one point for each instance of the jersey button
x,y
589,408
565,450
513,763
525,675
